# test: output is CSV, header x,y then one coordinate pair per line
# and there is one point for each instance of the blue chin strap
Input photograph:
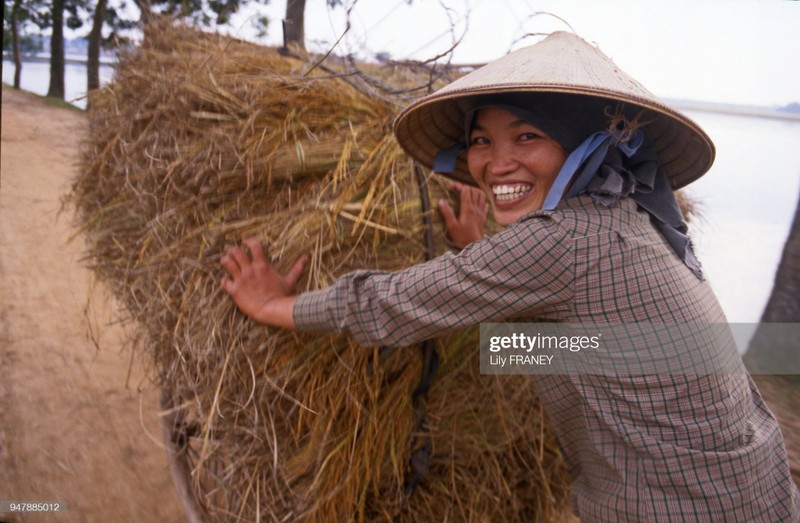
x,y
445,160
591,152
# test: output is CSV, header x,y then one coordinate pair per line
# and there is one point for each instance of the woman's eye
x,y
479,140
528,136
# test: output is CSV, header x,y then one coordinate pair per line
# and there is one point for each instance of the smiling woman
x,y
513,161
580,162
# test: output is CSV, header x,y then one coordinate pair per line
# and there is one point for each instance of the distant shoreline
x,y
73,60
738,110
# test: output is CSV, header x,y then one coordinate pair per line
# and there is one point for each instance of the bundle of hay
x,y
201,141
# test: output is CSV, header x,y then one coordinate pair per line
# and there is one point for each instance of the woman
x,y
579,161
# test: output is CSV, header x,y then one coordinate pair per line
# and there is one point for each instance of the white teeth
x,y
510,191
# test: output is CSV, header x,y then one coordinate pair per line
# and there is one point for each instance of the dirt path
x,y
70,428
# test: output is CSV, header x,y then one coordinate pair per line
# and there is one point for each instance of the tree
x,y
95,40
145,10
783,306
73,21
15,13
294,25
56,88
22,15
105,15
203,12
784,302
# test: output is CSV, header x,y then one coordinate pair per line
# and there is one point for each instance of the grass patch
x,y
49,100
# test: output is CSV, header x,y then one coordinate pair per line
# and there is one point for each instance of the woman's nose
x,y
500,163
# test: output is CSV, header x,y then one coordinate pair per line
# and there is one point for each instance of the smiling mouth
x,y
508,192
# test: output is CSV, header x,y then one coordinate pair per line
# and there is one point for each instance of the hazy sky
x,y
737,51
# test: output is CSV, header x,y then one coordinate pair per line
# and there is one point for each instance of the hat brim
x,y
437,121
566,65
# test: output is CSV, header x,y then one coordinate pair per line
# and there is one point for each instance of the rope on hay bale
x,y
201,140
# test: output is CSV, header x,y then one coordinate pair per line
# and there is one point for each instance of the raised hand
x,y
470,223
261,292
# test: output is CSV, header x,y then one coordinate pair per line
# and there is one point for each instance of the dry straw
x,y
202,140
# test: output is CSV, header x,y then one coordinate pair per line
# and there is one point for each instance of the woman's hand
x,y
261,292
470,224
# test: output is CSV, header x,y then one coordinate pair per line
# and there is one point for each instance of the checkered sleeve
x,y
526,270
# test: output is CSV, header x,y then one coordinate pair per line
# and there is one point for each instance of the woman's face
x,y
513,162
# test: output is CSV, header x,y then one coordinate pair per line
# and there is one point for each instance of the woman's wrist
x,y
278,312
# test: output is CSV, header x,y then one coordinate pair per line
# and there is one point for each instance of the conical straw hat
x,y
566,65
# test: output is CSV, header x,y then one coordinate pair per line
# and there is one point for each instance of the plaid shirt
x,y
640,449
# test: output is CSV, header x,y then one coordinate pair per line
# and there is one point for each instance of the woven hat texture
x,y
565,70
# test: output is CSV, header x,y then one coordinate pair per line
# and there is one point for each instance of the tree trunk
x,y
784,302
56,89
145,11
293,25
95,38
783,306
15,43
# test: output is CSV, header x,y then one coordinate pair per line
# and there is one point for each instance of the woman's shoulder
x,y
584,215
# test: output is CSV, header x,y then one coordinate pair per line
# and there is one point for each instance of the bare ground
x,y
78,422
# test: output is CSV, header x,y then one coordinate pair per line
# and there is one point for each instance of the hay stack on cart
x,y
202,140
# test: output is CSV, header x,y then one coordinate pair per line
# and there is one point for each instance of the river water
x,y
747,199
36,78
748,202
